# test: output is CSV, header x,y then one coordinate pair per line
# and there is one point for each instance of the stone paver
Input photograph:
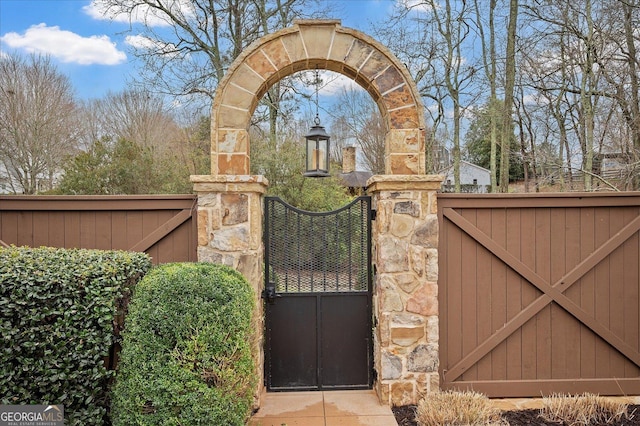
x,y
331,408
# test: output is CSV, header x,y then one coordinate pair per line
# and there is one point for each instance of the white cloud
x,y
424,6
140,14
99,10
140,42
332,83
335,84
66,45
145,43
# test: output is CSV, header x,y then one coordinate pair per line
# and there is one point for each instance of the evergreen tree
x,y
477,147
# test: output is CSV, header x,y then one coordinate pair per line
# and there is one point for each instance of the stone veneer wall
x,y
405,234
230,233
405,255
326,45
405,243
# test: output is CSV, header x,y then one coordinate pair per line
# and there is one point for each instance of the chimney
x,y
348,159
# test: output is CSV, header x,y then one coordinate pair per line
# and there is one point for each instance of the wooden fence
x,y
164,226
537,293
540,294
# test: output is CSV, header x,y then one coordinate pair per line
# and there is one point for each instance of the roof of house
x,y
355,179
466,163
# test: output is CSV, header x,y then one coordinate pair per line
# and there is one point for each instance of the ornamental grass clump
x,y
457,408
186,353
585,409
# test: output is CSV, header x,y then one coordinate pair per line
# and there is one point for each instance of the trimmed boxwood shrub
x,y
186,352
57,310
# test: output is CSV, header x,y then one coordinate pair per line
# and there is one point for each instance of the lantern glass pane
x,y
312,161
322,154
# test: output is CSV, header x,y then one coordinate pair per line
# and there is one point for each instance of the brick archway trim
x,y
307,45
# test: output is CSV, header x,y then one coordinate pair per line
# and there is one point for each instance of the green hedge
x,y
57,310
186,353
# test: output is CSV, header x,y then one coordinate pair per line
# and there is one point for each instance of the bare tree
x,y
483,20
357,112
415,45
583,63
545,77
37,122
621,67
205,36
507,113
194,145
432,36
135,115
186,46
140,125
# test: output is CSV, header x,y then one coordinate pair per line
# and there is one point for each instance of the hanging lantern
x,y
317,141
317,146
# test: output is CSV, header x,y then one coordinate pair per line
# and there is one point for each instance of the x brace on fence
x,y
551,293
162,230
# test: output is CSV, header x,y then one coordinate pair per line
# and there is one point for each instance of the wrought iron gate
x,y
318,297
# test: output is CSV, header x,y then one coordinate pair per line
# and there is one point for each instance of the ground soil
x,y
406,416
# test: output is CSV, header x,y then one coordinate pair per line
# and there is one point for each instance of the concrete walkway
x,y
331,408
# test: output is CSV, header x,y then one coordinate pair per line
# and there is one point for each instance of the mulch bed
x,y
406,416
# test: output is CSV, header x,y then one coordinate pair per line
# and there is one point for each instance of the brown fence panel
x,y
540,293
164,226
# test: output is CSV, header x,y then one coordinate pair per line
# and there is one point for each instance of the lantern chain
x,y
317,119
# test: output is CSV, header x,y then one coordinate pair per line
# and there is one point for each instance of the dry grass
x,y
585,409
457,408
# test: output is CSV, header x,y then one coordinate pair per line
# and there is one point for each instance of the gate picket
x,y
318,297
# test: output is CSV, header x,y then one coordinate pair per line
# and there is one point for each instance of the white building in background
x,y
473,178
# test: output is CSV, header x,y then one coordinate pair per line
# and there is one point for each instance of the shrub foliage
x,y
186,356
57,310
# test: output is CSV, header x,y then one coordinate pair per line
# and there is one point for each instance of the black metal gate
x,y
318,297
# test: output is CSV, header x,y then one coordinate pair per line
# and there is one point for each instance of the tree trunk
x,y
490,66
634,86
494,98
586,102
510,74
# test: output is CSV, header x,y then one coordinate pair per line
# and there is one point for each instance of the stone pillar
x,y
405,296
230,233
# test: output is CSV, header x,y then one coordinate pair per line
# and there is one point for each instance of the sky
x,y
95,52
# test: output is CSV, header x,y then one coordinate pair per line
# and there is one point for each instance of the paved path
x,y
330,408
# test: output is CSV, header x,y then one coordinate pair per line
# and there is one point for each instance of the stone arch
x,y
307,45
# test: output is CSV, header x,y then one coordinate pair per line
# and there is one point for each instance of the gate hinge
x,y
374,213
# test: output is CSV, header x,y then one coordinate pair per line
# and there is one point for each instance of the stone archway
x,y
405,233
307,45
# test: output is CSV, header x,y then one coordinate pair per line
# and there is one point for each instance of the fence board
x,y
468,275
483,299
588,341
56,229
556,286
103,229
162,225
513,296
